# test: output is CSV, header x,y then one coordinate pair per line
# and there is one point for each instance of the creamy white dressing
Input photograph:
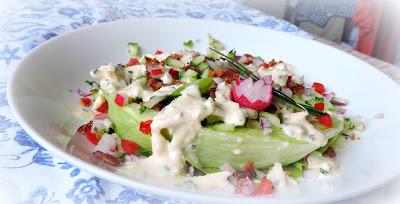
x,y
296,125
136,70
182,118
279,73
166,78
320,166
100,99
230,111
279,178
109,80
137,90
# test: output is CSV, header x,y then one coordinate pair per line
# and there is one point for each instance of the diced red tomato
x,y
121,99
174,73
103,108
156,72
318,87
90,135
325,120
158,52
145,126
85,101
132,61
319,106
265,187
248,166
129,147
265,65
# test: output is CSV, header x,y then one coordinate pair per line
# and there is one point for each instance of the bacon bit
x,y
190,67
129,147
174,73
106,158
160,106
151,61
325,120
103,108
330,152
176,56
158,52
318,87
211,91
248,166
216,73
145,126
271,108
248,59
299,89
295,88
245,186
85,102
319,106
154,84
132,61
265,187
229,76
90,135
270,64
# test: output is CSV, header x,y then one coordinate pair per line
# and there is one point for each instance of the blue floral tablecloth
x,y
28,172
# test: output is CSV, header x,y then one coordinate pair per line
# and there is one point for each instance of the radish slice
x,y
257,95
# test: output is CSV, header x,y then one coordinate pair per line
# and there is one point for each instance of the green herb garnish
x,y
142,109
188,44
244,72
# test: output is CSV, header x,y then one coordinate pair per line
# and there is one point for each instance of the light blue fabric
x,y
28,172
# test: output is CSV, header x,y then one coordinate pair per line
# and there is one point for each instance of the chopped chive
x,y
188,44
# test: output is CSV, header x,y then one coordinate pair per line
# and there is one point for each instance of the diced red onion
x,y
107,144
237,58
265,123
339,101
245,186
307,91
342,111
329,96
267,79
287,92
257,61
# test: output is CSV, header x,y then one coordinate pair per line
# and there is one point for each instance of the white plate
x,y
38,93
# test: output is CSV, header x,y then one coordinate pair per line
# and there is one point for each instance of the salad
x,y
219,121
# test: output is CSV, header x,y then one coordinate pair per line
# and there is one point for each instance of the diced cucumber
x,y
197,60
275,122
212,55
203,84
133,49
203,66
205,74
174,63
223,127
189,76
141,80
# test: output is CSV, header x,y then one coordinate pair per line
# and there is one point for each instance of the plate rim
x,y
164,191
